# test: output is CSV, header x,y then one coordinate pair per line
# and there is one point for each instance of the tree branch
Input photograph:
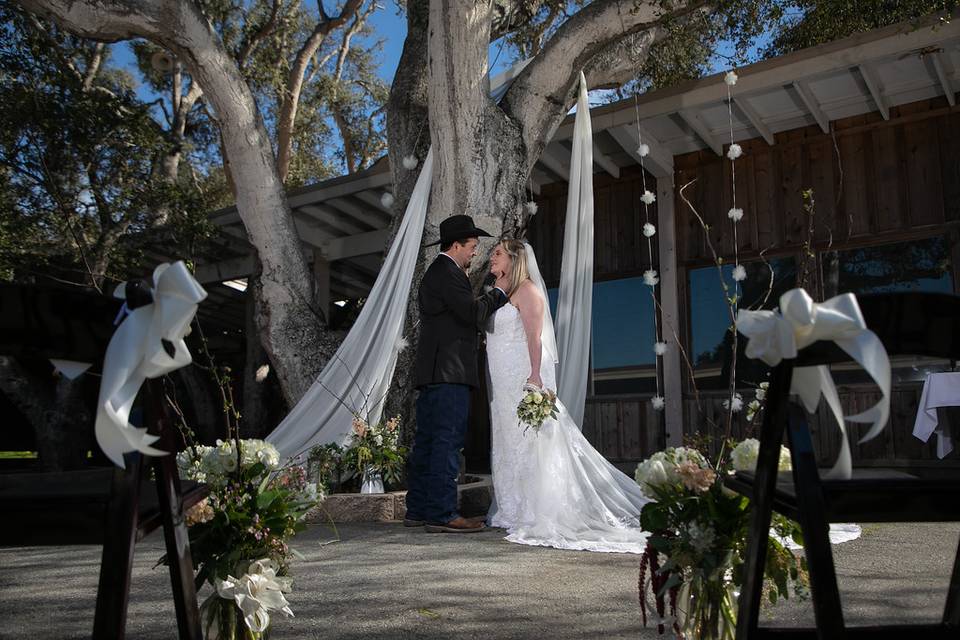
x,y
259,35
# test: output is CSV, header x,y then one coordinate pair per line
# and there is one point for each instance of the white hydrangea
x,y
744,456
661,468
701,537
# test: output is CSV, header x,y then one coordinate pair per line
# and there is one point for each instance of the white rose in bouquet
x,y
651,473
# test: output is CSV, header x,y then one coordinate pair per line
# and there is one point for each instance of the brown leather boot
x,y
457,525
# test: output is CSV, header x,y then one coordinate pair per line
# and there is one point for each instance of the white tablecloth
x,y
939,390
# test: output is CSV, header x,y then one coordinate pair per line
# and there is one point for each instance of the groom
x,y
450,320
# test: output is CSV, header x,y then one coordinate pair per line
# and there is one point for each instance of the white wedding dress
x,y
551,488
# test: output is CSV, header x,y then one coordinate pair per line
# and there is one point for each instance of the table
x,y
941,389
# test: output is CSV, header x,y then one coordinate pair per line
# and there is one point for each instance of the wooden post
x,y
670,309
321,283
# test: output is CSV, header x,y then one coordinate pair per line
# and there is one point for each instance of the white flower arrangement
x,y
649,230
648,197
535,407
739,273
650,278
662,468
212,464
735,151
744,456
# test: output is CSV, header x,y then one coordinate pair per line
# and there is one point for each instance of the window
x,y
710,320
923,265
622,336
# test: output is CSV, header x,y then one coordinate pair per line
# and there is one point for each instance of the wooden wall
x,y
872,180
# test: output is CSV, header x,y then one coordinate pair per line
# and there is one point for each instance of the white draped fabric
x,y
575,299
359,374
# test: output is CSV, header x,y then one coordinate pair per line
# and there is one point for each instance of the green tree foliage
x,y
807,23
79,190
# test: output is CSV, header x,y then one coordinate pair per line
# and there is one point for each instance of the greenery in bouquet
x,y
243,529
376,447
535,407
698,534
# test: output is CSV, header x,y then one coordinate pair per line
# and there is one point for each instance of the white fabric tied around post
x,y
799,322
136,352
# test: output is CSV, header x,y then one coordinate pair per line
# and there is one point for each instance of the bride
x,y
551,488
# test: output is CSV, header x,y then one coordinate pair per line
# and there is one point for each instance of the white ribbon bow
x,y
136,352
775,335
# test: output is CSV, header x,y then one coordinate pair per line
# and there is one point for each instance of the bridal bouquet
x,y
698,535
536,406
242,529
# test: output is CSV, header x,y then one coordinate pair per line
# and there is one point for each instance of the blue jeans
x,y
443,412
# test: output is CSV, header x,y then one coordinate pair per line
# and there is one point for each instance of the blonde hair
x,y
518,256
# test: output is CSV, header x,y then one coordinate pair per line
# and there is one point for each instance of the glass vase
x,y
222,619
707,609
372,481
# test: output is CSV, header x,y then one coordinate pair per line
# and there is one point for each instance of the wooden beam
x,y
356,245
551,160
695,123
875,91
660,160
309,232
372,198
940,68
359,212
332,218
813,106
342,186
231,269
755,120
604,162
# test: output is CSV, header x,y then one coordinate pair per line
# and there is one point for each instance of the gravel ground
x,y
386,581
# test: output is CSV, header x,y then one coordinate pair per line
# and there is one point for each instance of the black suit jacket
x,y
450,322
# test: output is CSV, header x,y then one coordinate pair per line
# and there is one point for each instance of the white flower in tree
x,y
649,230
735,214
387,199
410,162
650,278
739,273
659,348
735,151
648,197
531,208
657,402
643,150
731,78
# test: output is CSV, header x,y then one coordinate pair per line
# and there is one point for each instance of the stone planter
x,y
474,498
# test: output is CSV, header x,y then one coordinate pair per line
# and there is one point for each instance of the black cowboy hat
x,y
459,228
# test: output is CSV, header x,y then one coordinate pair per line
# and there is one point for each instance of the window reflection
x,y
710,321
622,336
922,265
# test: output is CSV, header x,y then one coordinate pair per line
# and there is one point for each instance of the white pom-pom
x,y
731,78
648,197
387,199
650,278
659,348
643,150
262,372
410,162
649,230
734,404
531,208
657,402
739,273
735,151
735,214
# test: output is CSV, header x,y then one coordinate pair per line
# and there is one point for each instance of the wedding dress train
x,y
551,488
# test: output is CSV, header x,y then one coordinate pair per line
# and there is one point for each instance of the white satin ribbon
x,y
799,322
135,353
